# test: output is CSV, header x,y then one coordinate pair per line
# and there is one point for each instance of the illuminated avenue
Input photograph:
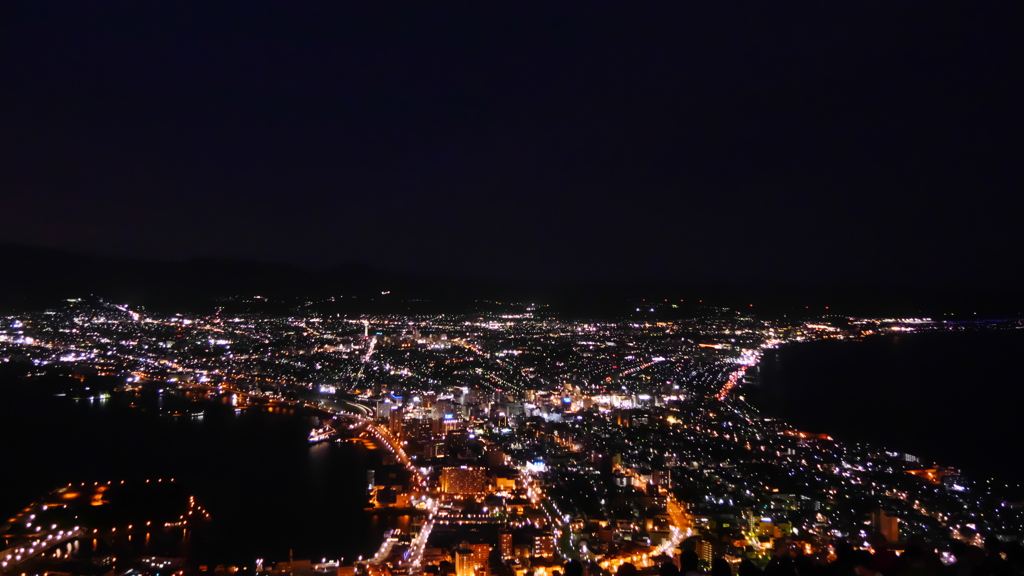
x,y
527,440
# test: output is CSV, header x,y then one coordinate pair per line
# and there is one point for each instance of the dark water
x,y
267,490
951,397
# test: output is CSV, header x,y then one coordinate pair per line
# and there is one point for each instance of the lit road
x,y
36,545
392,553
681,528
382,434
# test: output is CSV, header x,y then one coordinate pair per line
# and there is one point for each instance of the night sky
x,y
785,143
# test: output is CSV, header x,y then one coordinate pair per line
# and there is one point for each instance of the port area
x,y
143,525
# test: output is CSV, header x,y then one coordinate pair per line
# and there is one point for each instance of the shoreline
x,y
912,393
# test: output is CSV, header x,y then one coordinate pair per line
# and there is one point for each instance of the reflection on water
x,y
937,395
383,523
267,490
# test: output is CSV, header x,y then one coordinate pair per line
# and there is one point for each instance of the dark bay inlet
x,y
953,397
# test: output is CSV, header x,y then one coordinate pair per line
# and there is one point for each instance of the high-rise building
x,y
495,458
464,480
661,477
505,541
433,449
481,558
423,429
456,442
395,421
467,559
705,551
544,544
888,526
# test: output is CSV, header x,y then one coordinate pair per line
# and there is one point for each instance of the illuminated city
x,y
516,440
362,288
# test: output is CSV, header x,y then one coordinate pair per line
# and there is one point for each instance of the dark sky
x,y
794,142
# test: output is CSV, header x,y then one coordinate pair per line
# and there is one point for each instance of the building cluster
x,y
526,439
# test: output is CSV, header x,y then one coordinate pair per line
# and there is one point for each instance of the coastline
x,y
310,483
907,392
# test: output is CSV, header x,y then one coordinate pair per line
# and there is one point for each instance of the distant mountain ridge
x,y
34,276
